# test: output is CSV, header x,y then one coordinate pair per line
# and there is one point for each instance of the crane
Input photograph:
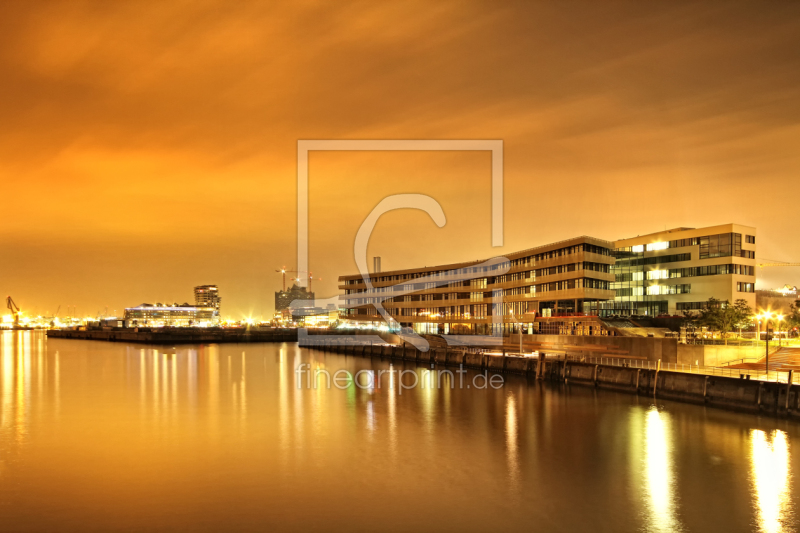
x,y
284,271
310,278
15,311
773,263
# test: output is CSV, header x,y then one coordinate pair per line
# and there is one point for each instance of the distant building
x,y
777,300
175,315
207,296
283,299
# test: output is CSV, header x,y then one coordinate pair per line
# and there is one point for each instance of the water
x,y
101,436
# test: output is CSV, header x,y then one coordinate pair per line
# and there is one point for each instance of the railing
x,y
786,343
568,315
743,360
779,376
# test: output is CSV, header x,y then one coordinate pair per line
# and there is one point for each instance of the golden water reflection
x,y
512,446
653,469
770,475
106,424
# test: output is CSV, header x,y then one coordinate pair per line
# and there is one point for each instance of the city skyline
x,y
142,159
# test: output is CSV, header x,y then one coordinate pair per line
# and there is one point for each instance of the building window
x,y
745,287
680,243
690,306
658,274
713,270
657,246
660,290
722,245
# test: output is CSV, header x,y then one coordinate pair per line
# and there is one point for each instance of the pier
x,y
173,336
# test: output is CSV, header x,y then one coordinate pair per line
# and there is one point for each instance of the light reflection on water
x,y
662,502
771,480
99,435
511,442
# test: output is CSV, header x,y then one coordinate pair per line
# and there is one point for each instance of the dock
x,y
173,336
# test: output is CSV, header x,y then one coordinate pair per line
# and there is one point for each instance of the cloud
x,y
177,122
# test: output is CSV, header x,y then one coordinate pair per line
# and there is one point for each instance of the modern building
x,y
207,296
565,287
283,299
678,270
544,289
175,315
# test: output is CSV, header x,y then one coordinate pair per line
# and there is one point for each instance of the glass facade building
x,y
678,270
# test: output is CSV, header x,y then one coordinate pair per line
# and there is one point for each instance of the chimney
x,y
376,264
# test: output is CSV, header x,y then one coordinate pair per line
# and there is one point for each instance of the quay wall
x,y
780,399
652,349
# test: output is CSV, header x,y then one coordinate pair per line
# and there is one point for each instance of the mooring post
x,y
540,367
655,384
789,388
705,390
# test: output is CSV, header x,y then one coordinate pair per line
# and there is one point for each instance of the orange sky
x,y
148,147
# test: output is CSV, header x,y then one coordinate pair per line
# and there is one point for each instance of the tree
x,y
721,316
793,318
742,314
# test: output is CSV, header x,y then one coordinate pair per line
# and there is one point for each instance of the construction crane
x,y
310,279
284,271
15,311
773,263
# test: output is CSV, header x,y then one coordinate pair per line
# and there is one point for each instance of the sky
x,y
147,147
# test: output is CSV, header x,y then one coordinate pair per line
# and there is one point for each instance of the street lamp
x,y
766,316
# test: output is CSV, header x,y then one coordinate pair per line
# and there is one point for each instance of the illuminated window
x,y
658,274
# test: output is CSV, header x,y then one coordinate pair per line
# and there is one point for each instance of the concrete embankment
x,y
729,393
177,335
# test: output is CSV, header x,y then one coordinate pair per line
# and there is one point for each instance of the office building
x,y
545,289
175,315
566,287
208,296
678,270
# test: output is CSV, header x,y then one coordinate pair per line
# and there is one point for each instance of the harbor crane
x,y
14,308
